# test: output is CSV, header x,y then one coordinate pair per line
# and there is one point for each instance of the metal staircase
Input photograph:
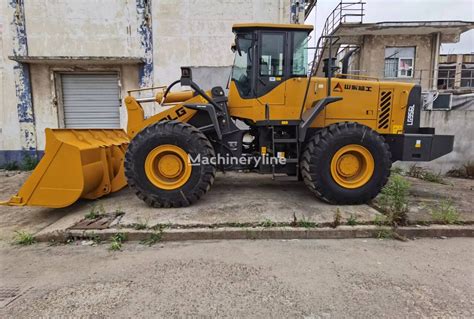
x,y
328,43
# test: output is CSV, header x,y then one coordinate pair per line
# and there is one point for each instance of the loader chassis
x,y
338,134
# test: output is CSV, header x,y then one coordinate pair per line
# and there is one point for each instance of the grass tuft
x,y
267,223
352,220
96,211
23,238
445,213
306,223
116,242
154,238
141,225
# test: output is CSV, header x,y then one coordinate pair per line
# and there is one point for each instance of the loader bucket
x,y
77,163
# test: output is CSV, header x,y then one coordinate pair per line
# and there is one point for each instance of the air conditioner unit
x,y
435,101
443,102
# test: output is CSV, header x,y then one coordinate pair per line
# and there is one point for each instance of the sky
x,y
408,10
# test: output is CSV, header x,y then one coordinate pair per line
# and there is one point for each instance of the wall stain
x,y
146,42
22,78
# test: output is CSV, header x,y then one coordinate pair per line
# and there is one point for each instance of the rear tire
x,y
335,178
175,183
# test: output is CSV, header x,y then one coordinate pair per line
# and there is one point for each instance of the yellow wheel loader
x,y
339,133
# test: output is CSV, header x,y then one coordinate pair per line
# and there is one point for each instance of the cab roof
x,y
275,26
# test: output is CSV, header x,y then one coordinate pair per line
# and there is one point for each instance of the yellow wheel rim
x,y
167,167
352,166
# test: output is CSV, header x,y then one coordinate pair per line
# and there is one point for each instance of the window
x,y
299,62
467,75
399,62
271,58
242,69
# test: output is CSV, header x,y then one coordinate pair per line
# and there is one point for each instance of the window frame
x,y
292,53
399,58
399,69
284,51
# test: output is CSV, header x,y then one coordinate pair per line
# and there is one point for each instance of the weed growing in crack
x,y
352,220
154,238
445,213
380,220
267,223
96,211
384,233
23,238
337,218
116,242
95,238
306,223
394,200
141,225
424,174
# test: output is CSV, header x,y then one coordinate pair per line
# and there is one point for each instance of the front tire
x,y
346,163
158,169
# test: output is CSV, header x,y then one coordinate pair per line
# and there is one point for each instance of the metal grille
x,y
91,100
384,109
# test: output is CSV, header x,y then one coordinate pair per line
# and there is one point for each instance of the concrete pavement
x,y
249,279
235,200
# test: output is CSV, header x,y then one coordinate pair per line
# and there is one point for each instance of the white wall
x,y
199,32
9,126
82,28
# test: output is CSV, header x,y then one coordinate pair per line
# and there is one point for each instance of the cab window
x,y
299,63
272,54
242,68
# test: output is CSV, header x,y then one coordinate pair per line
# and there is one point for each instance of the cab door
x,y
271,70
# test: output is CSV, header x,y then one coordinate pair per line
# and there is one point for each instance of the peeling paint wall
x,y
56,28
165,34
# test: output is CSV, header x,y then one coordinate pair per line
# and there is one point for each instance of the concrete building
x,y
68,64
409,52
456,73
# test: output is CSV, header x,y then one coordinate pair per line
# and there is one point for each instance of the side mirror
x,y
233,47
186,76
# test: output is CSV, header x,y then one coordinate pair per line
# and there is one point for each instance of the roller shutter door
x,y
91,100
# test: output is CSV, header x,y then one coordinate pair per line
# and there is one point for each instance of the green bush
x,y
394,199
29,162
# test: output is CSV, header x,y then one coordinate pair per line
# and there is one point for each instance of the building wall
x,y
86,29
82,28
9,124
457,123
198,33
372,57
193,33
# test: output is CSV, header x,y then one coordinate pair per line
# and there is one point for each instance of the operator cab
x,y
266,55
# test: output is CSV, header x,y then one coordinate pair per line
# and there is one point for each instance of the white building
x,y
69,64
